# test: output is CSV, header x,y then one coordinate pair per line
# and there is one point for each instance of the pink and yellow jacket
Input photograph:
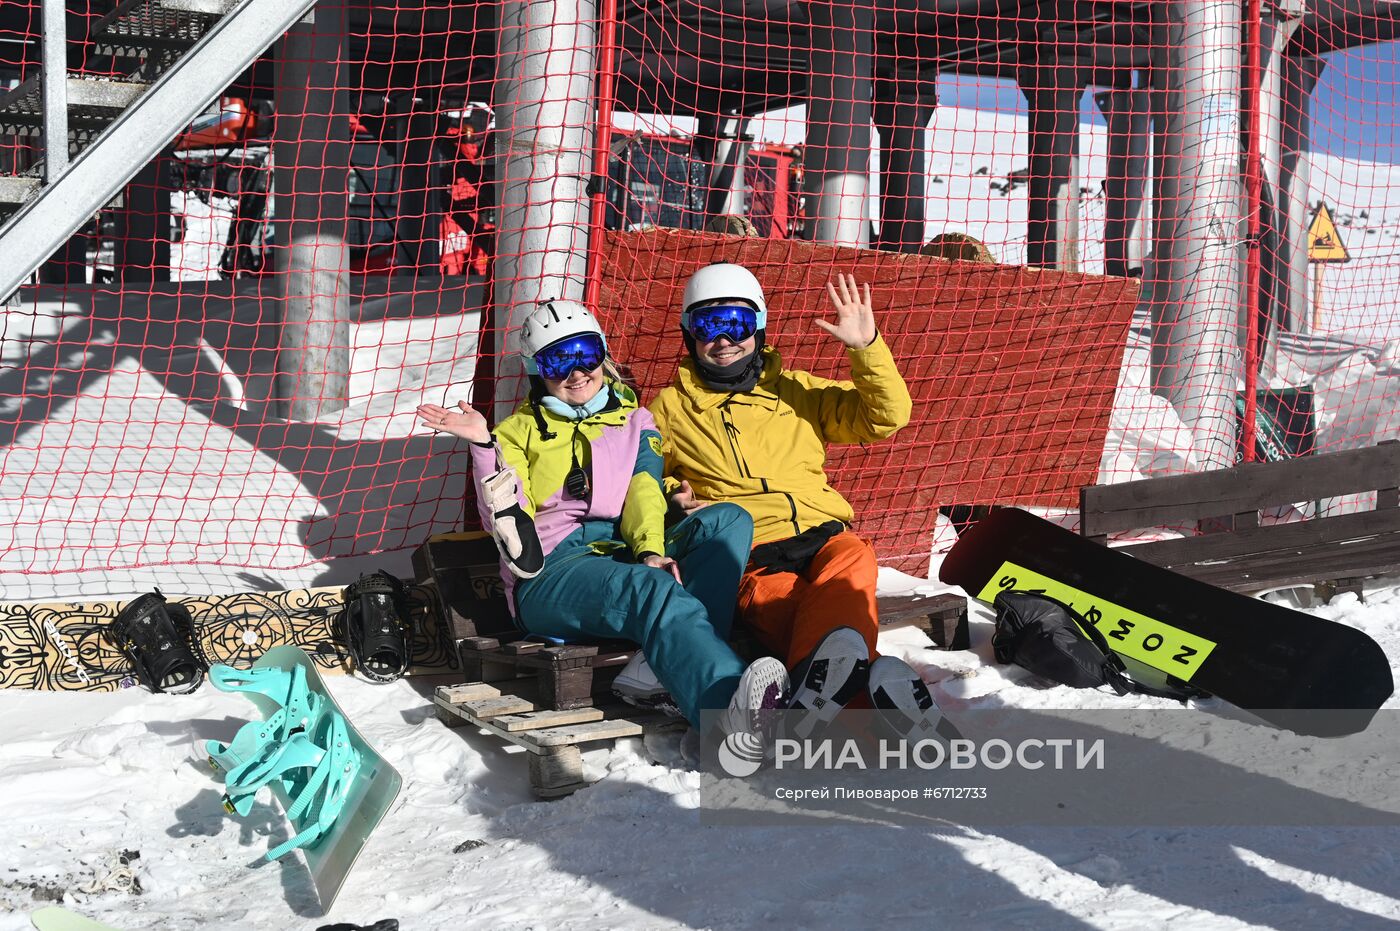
x,y
619,447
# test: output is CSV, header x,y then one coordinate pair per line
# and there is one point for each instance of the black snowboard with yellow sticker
x,y
1292,669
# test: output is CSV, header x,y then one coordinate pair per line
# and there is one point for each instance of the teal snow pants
x,y
592,588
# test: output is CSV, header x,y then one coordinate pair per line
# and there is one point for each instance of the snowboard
x,y
61,647
363,802
1294,670
55,918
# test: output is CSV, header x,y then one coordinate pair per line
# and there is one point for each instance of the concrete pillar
x,y
836,156
902,113
544,140
1281,21
1295,182
1155,80
1053,91
724,150
1128,112
1199,226
311,159
141,251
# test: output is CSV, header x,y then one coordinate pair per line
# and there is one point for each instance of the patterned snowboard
x,y
62,648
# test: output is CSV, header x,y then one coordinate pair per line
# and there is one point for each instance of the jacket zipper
x,y
730,432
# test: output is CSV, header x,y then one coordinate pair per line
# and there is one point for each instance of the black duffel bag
x,y
1051,639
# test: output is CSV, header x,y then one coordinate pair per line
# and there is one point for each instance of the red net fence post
x,y
602,147
1106,240
1250,115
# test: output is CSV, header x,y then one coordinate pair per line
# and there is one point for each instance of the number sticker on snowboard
x,y
1130,634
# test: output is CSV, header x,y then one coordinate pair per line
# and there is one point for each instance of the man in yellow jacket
x,y
739,427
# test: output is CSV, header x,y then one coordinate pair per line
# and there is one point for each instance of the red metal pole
x,y
602,148
1253,188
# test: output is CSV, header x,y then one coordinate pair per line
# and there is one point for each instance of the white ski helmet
x,y
552,321
723,281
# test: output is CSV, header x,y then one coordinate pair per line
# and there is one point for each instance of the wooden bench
x,y
1235,552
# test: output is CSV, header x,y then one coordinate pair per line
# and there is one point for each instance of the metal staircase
x,y
171,58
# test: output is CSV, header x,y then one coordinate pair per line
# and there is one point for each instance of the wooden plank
x,y
521,647
580,733
1297,564
466,717
487,708
471,690
570,651
1307,534
565,656
1293,560
1253,572
538,719
895,608
1250,486
448,711
898,607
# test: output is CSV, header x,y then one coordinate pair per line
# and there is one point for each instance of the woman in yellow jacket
x,y
741,428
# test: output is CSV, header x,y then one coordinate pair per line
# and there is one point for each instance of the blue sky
x,y
1355,110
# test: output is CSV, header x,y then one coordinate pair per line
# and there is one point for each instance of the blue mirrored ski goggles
x,y
584,351
707,324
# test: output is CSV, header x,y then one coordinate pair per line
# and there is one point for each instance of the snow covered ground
x,y
86,777
183,480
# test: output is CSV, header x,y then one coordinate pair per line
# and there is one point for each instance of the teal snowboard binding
x,y
332,785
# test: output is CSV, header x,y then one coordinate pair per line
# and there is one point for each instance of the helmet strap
x,y
742,375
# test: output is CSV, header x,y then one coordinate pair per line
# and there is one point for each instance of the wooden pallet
x,y
552,700
553,737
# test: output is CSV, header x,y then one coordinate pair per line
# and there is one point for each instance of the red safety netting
x,y
1107,241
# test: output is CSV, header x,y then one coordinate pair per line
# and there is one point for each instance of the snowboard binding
x,y
377,627
303,747
158,638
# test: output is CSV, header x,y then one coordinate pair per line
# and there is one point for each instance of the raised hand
x,y
463,422
855,316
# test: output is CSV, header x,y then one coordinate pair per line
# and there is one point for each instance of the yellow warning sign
x,y
1324,242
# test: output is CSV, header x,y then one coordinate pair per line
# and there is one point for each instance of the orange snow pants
x,y
791,613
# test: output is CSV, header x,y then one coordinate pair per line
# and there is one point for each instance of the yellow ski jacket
x,y
765,449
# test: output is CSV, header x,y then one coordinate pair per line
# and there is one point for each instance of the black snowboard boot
x,y
824,682
158,638
904,707
376,626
